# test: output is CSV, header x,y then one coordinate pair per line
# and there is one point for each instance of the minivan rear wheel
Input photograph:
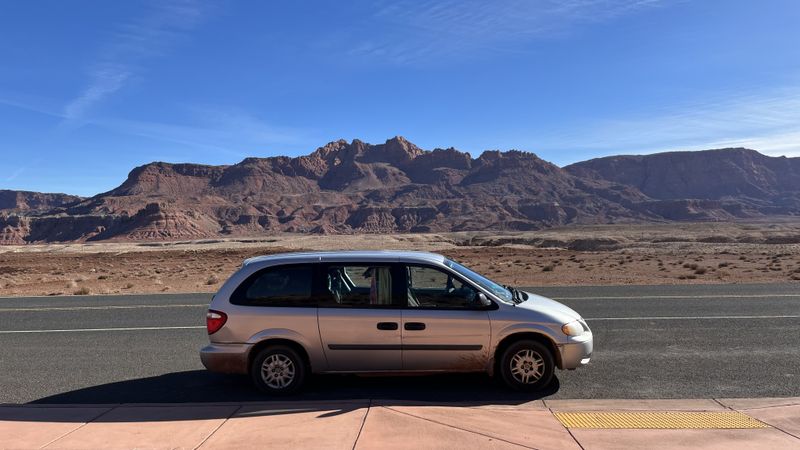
x,y
527,366
278,370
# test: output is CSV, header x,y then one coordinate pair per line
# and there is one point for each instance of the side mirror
x,y
483,300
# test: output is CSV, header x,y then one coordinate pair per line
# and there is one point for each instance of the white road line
x,y
84,330
693,317
639,297
81,308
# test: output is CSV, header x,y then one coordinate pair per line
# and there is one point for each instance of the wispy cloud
x,y
31,103
129,46
423,31
767,121
221,130
22,169
17,172
105,80
215,129
780,144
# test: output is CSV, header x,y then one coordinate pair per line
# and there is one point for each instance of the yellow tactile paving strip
x,y
658,420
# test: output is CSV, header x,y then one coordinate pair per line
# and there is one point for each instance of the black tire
x,y
281,355
540,353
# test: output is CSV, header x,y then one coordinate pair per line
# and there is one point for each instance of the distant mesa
x,y
356,187
24,201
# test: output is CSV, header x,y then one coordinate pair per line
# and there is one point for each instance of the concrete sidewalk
x,y
543,424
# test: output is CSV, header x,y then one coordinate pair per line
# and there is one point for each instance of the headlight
x,y
573,329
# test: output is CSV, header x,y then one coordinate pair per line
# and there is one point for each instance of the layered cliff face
x,y
24,201
22,211
710,174
397,187
712,184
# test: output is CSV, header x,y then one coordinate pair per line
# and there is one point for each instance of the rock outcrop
x,y
357,187
24,201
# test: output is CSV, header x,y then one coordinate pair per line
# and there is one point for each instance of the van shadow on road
x,y
205,387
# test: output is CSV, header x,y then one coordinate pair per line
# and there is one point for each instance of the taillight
x,y
215,320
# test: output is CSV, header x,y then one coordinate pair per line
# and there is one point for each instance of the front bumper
x,y
576,353
225,358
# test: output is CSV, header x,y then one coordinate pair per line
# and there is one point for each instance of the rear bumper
x,y
577,353
225,358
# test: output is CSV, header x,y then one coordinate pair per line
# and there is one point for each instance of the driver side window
x,y
429,287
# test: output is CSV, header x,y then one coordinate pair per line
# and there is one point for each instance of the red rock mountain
x,y
397,187
708,184
24,201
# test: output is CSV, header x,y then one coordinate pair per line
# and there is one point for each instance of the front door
x,y
444,325
359,324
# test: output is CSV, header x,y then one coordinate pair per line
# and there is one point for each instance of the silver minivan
x,y
282,317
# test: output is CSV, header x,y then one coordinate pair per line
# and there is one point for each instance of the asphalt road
x,y
650,342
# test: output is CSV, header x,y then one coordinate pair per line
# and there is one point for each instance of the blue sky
x,y
90,89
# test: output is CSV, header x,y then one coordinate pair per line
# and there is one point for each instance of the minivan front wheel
x,y
527,366
278,370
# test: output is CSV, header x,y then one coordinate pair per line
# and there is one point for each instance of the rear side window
x,y
359,285
277,286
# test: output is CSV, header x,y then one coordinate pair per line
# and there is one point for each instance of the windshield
x,y
482,281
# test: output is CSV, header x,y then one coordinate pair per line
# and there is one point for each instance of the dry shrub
x,y
82,291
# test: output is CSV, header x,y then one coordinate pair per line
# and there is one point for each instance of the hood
x,y
544,304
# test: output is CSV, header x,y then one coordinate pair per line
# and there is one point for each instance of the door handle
x,y
414,326
387,325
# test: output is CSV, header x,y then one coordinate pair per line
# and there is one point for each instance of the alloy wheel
x,y
527,366
277,371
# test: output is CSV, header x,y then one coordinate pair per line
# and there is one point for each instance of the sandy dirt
x,y
600,255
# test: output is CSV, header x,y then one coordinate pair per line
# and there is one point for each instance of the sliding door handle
x,y
414,326
387,326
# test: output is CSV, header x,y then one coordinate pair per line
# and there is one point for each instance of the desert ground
x,y
753,252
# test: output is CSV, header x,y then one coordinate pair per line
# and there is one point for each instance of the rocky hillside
x,y
708,184
24,201
357,187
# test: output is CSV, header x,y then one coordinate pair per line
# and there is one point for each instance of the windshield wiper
x,y
516,295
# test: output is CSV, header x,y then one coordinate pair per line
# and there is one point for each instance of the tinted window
x,y
359,285
277,286
434,288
